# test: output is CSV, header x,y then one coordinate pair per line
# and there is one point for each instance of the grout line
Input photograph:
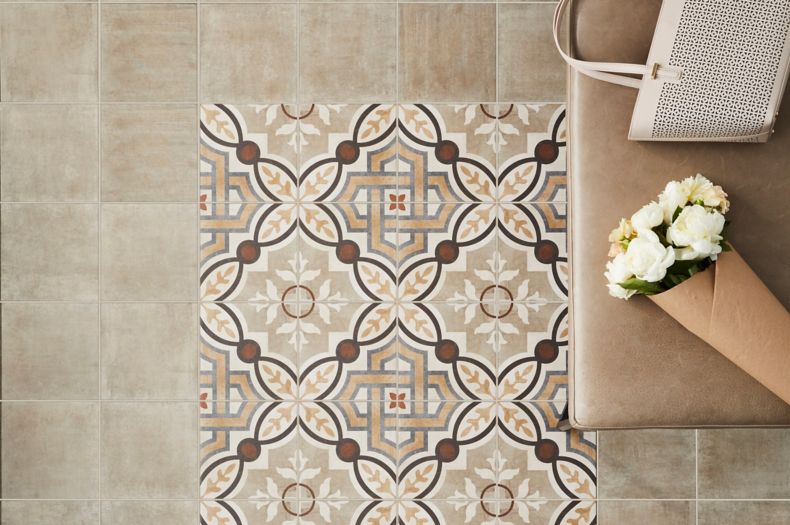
x,y
272,101
199,74
99,244
696,476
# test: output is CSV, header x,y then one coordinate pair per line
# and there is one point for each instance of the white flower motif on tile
x,y
497,300
495,497
299,300
297,496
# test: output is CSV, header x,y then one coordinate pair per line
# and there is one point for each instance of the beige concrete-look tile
x,y
149,52
49,252
743,512
149,252
148,350
50,351
347,52
447,52
646,464
149,450
49,153
248,53
530,68
50,450
148,153
647,512
142,511
49,513
48,53
744,463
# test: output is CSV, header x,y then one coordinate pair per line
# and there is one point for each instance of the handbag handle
x,y
614,72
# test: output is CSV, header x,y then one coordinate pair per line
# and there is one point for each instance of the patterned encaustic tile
x,y
384,317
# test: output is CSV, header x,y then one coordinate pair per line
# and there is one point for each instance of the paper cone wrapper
x,y
730,308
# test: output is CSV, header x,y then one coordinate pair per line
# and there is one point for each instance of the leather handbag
x,y
716,71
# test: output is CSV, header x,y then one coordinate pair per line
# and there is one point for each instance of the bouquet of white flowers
x,y
668,241
673,251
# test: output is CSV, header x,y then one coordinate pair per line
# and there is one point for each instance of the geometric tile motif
x,y
384,313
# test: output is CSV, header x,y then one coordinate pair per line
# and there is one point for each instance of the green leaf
x,y
677,212
642,287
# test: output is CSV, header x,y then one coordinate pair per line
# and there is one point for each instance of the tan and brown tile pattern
x,y
386,314
304,262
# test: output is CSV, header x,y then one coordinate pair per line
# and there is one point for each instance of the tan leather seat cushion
x,y
630,364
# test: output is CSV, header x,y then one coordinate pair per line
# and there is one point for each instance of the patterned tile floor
x,y
384,316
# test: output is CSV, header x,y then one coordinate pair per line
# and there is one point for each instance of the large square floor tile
x,y
149,52
48,512
647,464
49,252
248,53
50,450
50,351
66,50
149,252
447,52
148,153
149,350
149,450
49,153
728,468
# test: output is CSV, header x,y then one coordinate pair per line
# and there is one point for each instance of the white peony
x,y
674,196
647,258
700,189
648,217
697,232
616,272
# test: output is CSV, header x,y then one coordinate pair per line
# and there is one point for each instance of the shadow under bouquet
x,y
675,251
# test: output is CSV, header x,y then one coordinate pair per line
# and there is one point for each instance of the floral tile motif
x,y
384,317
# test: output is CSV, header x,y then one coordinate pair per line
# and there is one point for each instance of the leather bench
x,y
630,365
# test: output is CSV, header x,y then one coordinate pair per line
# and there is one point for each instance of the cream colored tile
x,y
447,52
137,512
347,52
149,350
50,351
149,252
49,252
638,464
530,68
49,153
149,450
149,52
148,153
248,53
48,52
744,463
49,513
50,450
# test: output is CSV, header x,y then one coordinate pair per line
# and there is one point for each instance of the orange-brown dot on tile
x,y
546,351
547,151
248,351
546,251
447,252
248,152
347,252
447,450
249,449
347,450
447,351
347,152
248,252
347,351
447,152
547,450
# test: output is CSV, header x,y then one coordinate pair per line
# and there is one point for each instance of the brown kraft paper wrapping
x,y
730,308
